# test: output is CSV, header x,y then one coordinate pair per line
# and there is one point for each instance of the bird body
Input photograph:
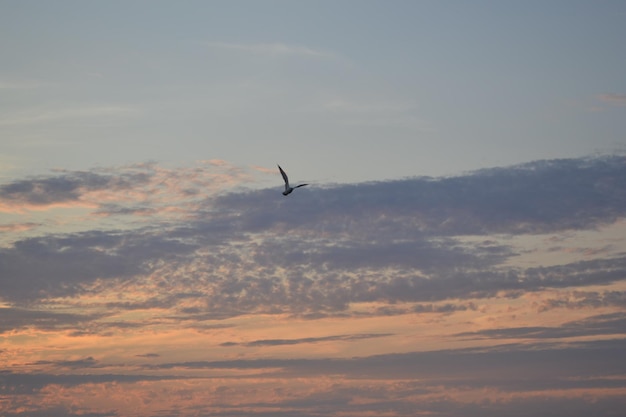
x,y
288,189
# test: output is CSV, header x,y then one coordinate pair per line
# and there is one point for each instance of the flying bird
x,y
288,189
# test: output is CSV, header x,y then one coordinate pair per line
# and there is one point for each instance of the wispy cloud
x,y
508,378
272,49
71,364
376,113
41,116
148,355
282,342
613,98
18,84
441,362
17,227
605,324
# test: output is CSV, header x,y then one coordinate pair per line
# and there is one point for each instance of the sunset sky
x,y
460,249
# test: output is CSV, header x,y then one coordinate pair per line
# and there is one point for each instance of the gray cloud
x,y
148,355
537,197
59,411
431,402
599,325
445,308
62,267
308,291
314,255
18,318
31,383
280,342
520,365
423,383
88,362
586,299
52,266
68,186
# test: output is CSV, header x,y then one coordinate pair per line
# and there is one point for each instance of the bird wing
x,y
301,185
284,176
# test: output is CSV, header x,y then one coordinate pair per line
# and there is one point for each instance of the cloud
x,y
272,49
501,363
604,325
65,189
29,383
585,299
143,188
444,308
20,318
61,266
612,98
46,116
375,113
18,227
538,197
281,342
19,85
513,379
148,355
88,362
243,252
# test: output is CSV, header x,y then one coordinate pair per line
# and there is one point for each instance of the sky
x,y
460,248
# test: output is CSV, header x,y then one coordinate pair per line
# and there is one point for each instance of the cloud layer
x,y
519,271
390,241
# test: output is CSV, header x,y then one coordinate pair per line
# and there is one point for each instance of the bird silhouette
x,y
288,189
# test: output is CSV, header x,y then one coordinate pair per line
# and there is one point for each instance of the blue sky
x,y
460,248
366,90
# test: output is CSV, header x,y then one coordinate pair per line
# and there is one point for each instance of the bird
x,y
288,189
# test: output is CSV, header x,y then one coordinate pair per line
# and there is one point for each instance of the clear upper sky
x,y
365,89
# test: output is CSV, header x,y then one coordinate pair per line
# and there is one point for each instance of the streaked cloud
x,y
52,115
305,340
511,376
15,318
148,355
376,113
613,98
17,227
19,84
72,364
605,324
272,49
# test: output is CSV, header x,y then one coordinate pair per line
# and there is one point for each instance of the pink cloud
x,y
613,98
17,227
